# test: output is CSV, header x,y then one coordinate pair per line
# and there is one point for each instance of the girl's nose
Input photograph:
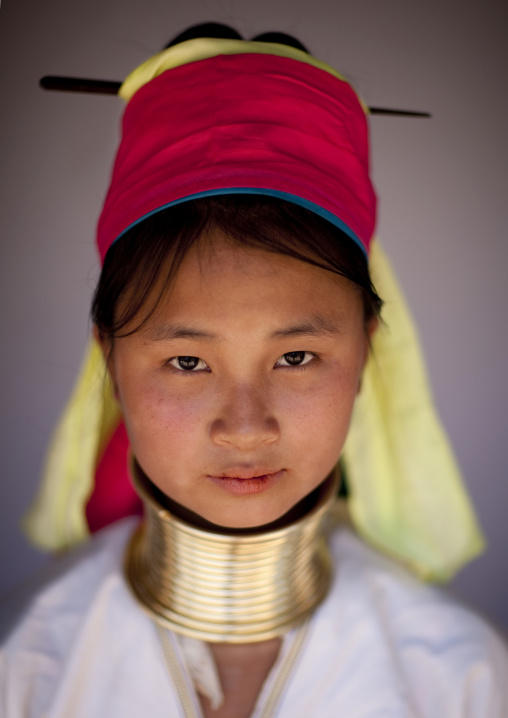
x,y
244,420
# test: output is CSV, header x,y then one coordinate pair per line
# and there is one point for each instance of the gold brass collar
x,y
232,586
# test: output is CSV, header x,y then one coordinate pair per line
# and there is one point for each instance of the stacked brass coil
x,y
229,587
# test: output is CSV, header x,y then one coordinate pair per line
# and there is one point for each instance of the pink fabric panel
x,y
113,496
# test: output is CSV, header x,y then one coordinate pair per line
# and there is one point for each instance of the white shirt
x,y
382,645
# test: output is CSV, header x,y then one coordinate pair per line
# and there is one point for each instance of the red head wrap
x,y
243,123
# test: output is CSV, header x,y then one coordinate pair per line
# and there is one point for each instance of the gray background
x,y
442,183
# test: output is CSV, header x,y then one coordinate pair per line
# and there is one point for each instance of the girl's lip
x,y
244,482
244,472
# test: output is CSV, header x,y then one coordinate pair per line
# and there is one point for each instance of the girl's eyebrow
x,y
315,326
168,332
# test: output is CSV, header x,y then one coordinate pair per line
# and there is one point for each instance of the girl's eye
x,y
184,363
294,359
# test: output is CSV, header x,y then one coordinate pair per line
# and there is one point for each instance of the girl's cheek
x,y
153,409
332,390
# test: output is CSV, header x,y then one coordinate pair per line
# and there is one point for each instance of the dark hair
x,y
135,263
226,32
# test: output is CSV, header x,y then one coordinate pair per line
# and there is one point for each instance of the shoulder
x,y
406,605
43,622
441,651
67,585
79,633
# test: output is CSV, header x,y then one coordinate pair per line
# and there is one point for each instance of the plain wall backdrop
x,y
443,194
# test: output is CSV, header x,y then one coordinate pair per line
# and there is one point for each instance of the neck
x,y
229,586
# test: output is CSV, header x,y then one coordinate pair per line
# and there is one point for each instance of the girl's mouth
x,y
244,482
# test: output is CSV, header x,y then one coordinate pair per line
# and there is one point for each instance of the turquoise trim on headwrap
x,y
306,204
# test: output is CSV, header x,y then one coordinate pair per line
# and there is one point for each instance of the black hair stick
x,y
106,87
78,84
399,113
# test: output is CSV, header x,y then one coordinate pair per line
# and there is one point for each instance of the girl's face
x,y
237,393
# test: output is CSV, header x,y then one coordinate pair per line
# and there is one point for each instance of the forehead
x,y
219,280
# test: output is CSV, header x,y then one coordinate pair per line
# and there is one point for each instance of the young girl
x,y
240,330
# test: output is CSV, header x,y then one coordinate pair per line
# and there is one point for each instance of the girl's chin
x,y
253,514
232,516
241,504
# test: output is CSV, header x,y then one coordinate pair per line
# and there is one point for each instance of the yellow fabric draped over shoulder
x,y
407,496
57,520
